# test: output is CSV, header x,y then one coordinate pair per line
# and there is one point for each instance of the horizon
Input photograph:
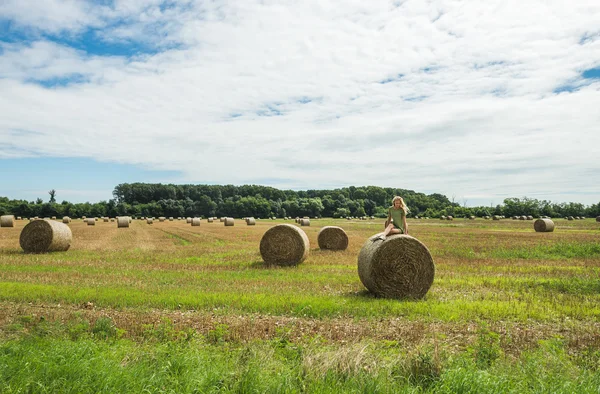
x,y
479,103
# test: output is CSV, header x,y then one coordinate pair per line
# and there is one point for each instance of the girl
x,y
396,220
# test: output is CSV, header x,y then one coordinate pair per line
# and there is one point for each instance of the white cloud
x,y
445,96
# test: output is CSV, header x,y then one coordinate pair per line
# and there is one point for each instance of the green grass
x,y
45,360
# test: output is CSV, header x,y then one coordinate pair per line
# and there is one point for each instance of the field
x,y
173,308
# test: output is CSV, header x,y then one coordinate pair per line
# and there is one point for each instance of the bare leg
x,y
390,229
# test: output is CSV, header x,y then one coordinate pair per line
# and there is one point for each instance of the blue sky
x,y
476,102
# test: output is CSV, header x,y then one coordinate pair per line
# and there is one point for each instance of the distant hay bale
x,y
222,219
195,222
442,217
170,218
19,218
495,217
449,217
162,219
229,222
570,218
122,222
305,222
149,221
543,226
106,219
188,220
90,222
471,217
529,217
53,217
66,220
210,220
285,245
112,220
7,221
598,218
41,236
398,267
332,238
82,218
522,217
250,221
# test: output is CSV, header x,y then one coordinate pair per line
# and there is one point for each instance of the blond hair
x,y
402,204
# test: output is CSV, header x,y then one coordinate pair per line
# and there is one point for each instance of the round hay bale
x,y
284,244
66,220
170,218
41,236
82,218
229,222
90,222
162,219
222,219
529,217
7,221
53,217
195,222
112,220
570,218
19,218
188,220
471,217
123,222
598,219
106,219
398,267
305,222
210,220
332,238
522,217
149,221
250,221
543,226
495,217
449,217
442,217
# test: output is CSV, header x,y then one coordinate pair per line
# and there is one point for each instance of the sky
x,y
476,100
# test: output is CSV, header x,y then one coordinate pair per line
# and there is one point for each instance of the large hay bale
x,y
188,220
543,226
210,220
66,220
250,221
398,267
90,222
149,221
305,222
7,221
598,218
41,236
332,238
195,222
122,222
229,222
285,245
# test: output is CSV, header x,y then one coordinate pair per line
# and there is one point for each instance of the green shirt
x,y
398,216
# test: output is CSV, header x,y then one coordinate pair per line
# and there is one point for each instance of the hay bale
x,y
210,220
284,244
112,220
123,222
229,222
53,217
495,217
529,217
598,219
195,222
66,220
41,236
570,218
398,267
188,220
162,219
471,217
7,221
332,238
305,222
522,217
106,219
222,219
442,217
90,222
449,217
149,221
250,221
543,226
170,218
19,218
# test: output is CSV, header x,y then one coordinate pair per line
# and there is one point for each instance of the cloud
x,y
438,97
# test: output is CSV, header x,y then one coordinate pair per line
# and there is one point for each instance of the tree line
x,y
156,199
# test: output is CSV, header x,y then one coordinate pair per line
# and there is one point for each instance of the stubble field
x,y
173,308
